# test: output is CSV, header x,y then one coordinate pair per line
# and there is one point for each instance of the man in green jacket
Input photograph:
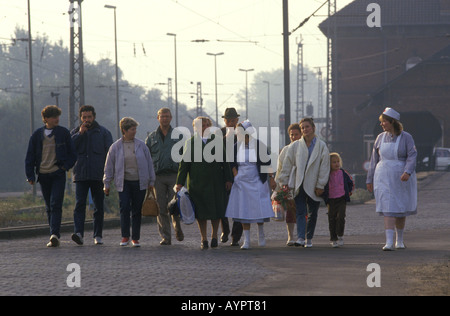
x,y
160,143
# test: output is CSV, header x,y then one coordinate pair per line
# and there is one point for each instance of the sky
x,y
248,32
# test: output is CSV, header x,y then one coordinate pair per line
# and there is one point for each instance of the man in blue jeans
x,y
92,142
50,154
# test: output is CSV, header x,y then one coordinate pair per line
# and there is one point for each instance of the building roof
x,y
393,12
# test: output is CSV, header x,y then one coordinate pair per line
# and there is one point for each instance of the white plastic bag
x,y
186,206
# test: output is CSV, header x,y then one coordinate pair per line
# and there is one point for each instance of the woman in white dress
x,y
250,194
392,177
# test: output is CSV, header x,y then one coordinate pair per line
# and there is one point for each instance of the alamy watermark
x,y
374,278
216,151
374,18
74,278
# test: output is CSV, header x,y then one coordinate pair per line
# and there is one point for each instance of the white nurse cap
x,y
392,113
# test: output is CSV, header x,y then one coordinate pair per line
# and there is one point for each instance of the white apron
x,y
249,200
393,197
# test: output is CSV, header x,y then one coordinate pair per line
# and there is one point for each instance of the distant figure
x,y
92,142
51,153
130,165
392,177
160,144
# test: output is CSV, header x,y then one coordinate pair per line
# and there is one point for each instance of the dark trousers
x,y
53,186
336,217
131,200
79,214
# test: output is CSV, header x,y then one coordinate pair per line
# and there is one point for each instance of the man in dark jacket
x,y
50,154
92,142
160,143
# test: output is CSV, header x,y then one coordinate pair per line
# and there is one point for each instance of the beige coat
x,y
314,175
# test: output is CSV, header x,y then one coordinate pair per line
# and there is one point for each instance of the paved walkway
x,y
27,267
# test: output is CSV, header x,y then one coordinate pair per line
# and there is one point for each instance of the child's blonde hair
x,y
338,156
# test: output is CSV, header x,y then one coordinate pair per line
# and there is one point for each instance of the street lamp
x,y
117,69
215,74
176,81
246,90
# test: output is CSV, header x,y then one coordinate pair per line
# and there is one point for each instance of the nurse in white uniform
x,y
249,200
392,177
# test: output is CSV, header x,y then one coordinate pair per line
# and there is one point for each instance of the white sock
x,y
262,239
390,237
261,231
247,236
399,235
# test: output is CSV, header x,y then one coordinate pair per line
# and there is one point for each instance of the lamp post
x,y
176,81
117,69
246,90
215,75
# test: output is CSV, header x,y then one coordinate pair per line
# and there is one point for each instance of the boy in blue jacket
x,y
51,153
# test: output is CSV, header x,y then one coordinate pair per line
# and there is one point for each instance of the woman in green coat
x,y
206,181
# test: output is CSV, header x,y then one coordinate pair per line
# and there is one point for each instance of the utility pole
x,y
301,78
76,98
30,67
246,90
331,72
169,94
199,99
215,80
176,76
287,81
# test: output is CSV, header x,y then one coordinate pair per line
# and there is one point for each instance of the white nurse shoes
x,y
388,247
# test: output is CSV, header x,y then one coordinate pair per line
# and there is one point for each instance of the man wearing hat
x,y
231,120
392,177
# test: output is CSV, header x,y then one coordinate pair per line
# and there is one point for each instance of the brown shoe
x,y
165,242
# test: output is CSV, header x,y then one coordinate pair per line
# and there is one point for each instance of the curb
x,y
66,227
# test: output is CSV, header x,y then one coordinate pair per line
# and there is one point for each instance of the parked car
x,y
440,161
442,156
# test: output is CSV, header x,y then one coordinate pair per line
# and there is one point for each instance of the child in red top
x,y
337,194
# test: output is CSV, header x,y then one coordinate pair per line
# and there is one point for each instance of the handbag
x,y
150,207
186,206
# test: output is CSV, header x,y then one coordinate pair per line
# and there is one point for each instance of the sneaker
x,y
388,247
135,243
54,241
78,239
300,242
340,241
125,241
334,244
308,243
98,240
400,245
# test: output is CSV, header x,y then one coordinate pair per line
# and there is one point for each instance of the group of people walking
x,y
239,190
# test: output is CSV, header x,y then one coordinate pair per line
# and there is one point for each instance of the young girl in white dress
x,y
250,194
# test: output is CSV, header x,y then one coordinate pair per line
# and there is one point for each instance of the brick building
x,y
404,64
